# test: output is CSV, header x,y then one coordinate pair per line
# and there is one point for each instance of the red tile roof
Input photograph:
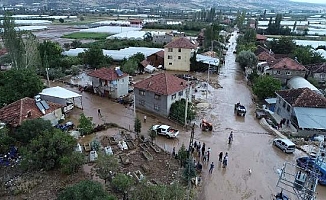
x,y
159,54
303,97
108,74
317,68
163,84
262,49
260,37
144,63
17,112
288,63
265,56
181,42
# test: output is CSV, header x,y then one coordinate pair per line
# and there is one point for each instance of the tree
x,y
17,84
5,140
148,37
50,53
70,164
182,155
152,134
86,125
130,66
105,164
32,55
265,86
250,36
61,20
177,111
76,44
122,182
189,171
247,59
284,45
85,190
95,58
46,150
31,129
137,126
306,55
13,41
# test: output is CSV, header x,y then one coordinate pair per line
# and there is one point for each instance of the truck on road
x,y
165,130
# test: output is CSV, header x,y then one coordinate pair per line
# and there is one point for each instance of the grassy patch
x,y
86,35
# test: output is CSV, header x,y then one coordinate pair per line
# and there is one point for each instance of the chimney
x,y
181,83
29,114
149,84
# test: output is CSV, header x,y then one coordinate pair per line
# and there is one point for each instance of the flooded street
x,y
251,149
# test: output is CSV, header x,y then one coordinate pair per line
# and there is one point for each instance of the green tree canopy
x,y
30,129
5,140
86,125
265,86
284,45
85,190
306,55
137,125
13,41
50,53
46,150
177,111
130,66
94,57
122,182
17,84
105,164
70,164
247,59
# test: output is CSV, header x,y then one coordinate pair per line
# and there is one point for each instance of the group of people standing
x,y
201,151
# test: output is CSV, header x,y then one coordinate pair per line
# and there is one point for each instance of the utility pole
x,y
209,66
134,106
47,76
188,156
186,108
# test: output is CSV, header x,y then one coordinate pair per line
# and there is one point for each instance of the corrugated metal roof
x,y
207,60
314,118
271,100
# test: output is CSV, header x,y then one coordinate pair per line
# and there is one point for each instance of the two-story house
x,y
156,59
177,54
317,71
304,108
286,68
157,93
110,82
162,38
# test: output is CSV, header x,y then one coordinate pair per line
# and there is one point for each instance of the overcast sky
x,y
311,1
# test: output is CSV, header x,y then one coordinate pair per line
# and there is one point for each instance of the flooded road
x,y
251,149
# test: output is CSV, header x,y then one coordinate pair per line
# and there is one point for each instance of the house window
x,y
170,50
180,93
157,97
322,76
170,63
278,72
179,57
169,57
179,50
288,108
288,73
142,102
142,92
284,104
156,107
174,96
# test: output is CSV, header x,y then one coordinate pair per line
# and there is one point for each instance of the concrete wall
x,y
114,89
283,109
177,61
160,105
285,75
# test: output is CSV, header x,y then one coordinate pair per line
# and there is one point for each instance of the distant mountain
x,y
277,5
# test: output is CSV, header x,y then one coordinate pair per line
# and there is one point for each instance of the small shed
x,y
62,96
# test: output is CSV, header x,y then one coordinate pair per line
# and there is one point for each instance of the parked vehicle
x,y
165,130
240,110
261,114
286,145
311,163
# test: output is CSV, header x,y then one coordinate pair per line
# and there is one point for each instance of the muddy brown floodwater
x,y
251,149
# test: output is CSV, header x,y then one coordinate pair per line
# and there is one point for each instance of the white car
x,y
286,145
166,131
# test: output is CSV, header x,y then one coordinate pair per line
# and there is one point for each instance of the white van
x,y
286,145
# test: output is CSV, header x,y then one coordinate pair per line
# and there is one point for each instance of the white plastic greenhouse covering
x,y
118,55
300,82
